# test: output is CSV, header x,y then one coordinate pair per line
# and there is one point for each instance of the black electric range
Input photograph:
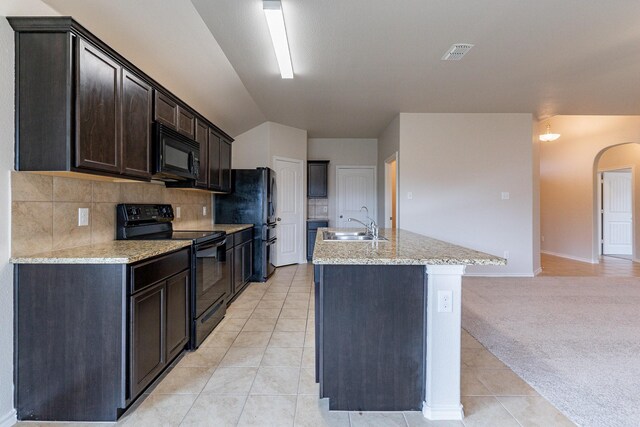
x,y
210,270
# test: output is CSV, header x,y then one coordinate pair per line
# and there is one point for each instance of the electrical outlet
x,y
410,195
325,209
83,217
204,211
506,255
444,301
177,211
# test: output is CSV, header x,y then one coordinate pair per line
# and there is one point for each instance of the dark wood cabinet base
x,y
371,336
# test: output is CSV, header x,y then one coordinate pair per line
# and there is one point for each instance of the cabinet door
x,y
165,110
177,331
247,261
317,179
225,165
147,335
186,122
136,125
311,241
202,131
214,161
98,110
237,268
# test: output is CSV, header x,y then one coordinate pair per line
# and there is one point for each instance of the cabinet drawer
x,y
314,225
242,236
146,273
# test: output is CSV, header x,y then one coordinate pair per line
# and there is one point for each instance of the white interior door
x,y
617,229
289,210
356,187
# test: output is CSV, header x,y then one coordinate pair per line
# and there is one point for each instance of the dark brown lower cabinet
x,y
148,354
371,336
241,261
177,314
90,338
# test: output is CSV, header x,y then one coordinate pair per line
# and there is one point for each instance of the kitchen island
x,y
388,319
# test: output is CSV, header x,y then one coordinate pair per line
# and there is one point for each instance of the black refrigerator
x,y
253,201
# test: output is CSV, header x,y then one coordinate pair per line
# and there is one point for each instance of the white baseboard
x,y
575,258
442,412
499,274
8,419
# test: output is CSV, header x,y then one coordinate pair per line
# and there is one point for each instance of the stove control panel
x,y
145,213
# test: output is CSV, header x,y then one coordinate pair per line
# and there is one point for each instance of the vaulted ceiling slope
x,y
169,41
358,63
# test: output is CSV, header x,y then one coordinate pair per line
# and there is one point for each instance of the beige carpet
x,y
576,340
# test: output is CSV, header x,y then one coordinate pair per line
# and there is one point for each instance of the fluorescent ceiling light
x,y
275,21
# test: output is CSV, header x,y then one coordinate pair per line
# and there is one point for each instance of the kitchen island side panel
x,y
373,336
69,342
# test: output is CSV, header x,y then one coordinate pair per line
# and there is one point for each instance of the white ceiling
x,y
360,62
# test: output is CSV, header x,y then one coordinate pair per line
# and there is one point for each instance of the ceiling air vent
x,y
456,52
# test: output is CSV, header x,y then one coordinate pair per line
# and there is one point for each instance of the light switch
x,y
204,211
505,195
177,211
83,217
410,195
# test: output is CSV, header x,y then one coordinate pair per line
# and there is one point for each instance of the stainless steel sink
x,y
349,236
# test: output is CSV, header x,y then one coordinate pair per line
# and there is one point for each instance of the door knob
x,y
278,219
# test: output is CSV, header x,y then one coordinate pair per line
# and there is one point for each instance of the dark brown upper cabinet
x,y
165,110
169,112
98,141
317,173
202,137
225,165
82,107
136,125
214,161
78,108
186,122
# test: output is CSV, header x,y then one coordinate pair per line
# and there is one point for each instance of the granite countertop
x,y
229,228
115,252
402,248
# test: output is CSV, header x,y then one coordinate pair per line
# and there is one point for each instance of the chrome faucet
x,y
372,227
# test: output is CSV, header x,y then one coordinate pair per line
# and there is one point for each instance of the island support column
x,y
443,344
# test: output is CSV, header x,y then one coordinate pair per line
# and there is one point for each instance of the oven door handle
x,y
210,246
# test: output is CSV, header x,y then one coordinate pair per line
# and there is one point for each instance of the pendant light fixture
x,y
548,136
275,20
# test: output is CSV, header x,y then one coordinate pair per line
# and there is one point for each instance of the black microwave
x,y
176,157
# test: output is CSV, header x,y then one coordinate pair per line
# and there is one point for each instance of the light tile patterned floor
x,y
257,369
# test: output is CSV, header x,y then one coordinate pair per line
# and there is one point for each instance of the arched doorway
x,y
616,212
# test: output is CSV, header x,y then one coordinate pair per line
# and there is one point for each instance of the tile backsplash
x,y
44,211
318,208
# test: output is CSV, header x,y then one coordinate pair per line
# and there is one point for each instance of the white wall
x,y
341,152
251,148
7,414
388,144
568,209
457,166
